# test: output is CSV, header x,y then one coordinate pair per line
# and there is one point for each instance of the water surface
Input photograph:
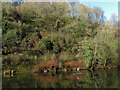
x,y
81,79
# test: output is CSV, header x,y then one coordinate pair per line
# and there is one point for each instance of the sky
x,y
108,7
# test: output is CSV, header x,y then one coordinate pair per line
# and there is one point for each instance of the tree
x,y
114,20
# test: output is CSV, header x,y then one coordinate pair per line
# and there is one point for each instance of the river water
x,y
80,79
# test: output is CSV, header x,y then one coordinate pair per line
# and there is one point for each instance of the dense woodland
x,y
36,32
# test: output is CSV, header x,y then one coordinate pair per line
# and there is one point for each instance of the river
x,y
80,79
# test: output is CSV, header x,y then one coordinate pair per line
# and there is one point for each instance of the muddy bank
x,y
53,65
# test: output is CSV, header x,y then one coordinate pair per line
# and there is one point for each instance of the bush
x,y
66,56
47,56
11,39
45,44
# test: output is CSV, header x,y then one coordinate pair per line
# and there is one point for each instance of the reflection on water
x,y
81,79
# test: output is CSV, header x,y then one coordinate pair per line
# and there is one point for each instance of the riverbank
x,y
55,69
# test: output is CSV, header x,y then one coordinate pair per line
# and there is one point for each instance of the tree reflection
x,y
83,79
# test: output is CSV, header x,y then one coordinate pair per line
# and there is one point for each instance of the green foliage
x,y
47,56
60,64
88,55
106,50
61,31
55,47
46,44
11,38
66,56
